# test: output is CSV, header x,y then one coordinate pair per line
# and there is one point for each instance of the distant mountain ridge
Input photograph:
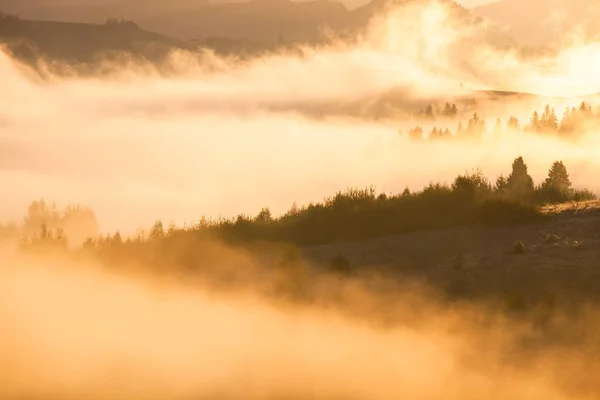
x,y
242,28
255,20
78,42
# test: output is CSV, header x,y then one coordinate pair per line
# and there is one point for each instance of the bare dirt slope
x,y
561,257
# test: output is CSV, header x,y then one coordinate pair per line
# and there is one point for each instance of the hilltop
x,y
72,41
80,33
268,21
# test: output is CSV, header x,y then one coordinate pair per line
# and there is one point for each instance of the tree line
x,y
121,23
356,214
574,120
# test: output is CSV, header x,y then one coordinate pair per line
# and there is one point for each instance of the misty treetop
x,y
574,121
47,222
121,23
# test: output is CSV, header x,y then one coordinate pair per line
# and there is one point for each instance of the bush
x,y
499,212
582,195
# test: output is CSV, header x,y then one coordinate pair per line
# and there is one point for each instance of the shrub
x,y
498,212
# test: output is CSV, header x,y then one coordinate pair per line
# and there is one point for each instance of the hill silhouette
x,y
79,32
261,20
72,41
269,21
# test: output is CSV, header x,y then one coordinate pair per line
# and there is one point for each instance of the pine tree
x,y
558,177
476,126
566,123
429,112
447,110
519,182
513,124
157,231
535,124
585,110
453,110
435,133
264,216
548,121
117,239
498,127
574,119
416,133
501,184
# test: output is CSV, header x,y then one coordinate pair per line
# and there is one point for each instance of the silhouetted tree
x,y
574,119
121,23
9,17
557,187
519,182
76,222
450,110
429,112
416,133
45,240
264,216
157,231
558,177
446,111
548,122
471,185
117,239
497,128
513,124
476,126
501,185
568,121
585,110
535,123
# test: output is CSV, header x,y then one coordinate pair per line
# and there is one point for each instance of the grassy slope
x,y
560,260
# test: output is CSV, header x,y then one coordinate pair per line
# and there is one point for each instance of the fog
x,y
218,136
74,331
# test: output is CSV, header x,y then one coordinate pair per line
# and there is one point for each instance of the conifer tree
x,y
558,177
513,124
519,182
